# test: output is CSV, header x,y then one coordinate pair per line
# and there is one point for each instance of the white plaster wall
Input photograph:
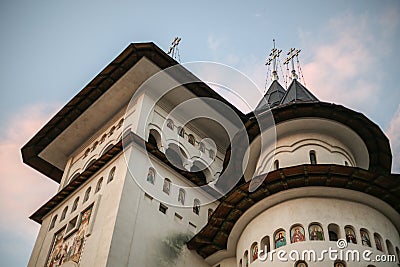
x,y
321,210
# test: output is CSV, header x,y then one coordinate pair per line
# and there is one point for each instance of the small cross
x,y
272,59
291,54
174,44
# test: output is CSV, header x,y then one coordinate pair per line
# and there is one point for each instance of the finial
x,y
273,56
174,50
291,54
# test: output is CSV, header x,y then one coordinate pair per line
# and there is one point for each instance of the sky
x,y
51,49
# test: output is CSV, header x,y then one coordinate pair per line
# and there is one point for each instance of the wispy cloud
x,y
393,133
214,42
22,190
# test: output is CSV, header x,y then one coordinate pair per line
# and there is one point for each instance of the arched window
x,y
191,139
103,138
339,264
75,205
95,145
211,153
313,157
202,147
151,175
111,175
301,264
365,239
198,169
276,164
390,247
196,206
86,153
333,231
240,263
378,242
350,234
98,186
181,196
120,123
210,213
64,213
111,131
174,157
53,222
167,186
254,251
155,138
87,194
170,124
315,231
280,238
181,132
246,259
346,163
265,246
297,234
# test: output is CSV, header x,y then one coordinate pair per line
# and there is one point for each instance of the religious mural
x,y
297,234
350,235
69,248
316,232
254,252
280,239
365,240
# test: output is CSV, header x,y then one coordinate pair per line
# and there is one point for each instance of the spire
x,y
273,56
297,93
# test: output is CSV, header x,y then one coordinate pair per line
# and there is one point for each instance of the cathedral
x,y
155,168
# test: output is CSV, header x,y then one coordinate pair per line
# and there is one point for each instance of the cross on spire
x,y
173,49
291,55
273,56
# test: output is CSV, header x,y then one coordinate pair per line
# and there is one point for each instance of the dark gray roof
x,y
272,97
297,92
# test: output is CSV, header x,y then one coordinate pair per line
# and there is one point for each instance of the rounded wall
x,y
328,213
330,141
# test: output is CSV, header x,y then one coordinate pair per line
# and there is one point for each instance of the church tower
x,y
141,183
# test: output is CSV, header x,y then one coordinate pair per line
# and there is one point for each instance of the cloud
x,y
393,133
214,43
22,189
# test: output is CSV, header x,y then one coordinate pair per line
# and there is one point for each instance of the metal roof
x,y
297,92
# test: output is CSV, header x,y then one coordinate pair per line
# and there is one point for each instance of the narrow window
x,y
191,139
111,131
276,164
316,232
95,145
390,247
202,147
196,206
75,205
98,186
64,213
167,186
211,153
163,208
103,138
210,213
120,123
181,196
151,175
246,259
181,132
53,222
313,157
333,231
111,175
170,124
346,163
280,238
297,234
350,234
265,245
86,153
87,194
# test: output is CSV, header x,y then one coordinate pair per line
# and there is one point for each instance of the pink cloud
x,y
22,189
393,133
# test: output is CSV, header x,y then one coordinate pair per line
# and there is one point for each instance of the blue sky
x,y
51,49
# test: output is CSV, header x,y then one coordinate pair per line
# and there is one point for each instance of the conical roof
x,y
272,97
297,92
